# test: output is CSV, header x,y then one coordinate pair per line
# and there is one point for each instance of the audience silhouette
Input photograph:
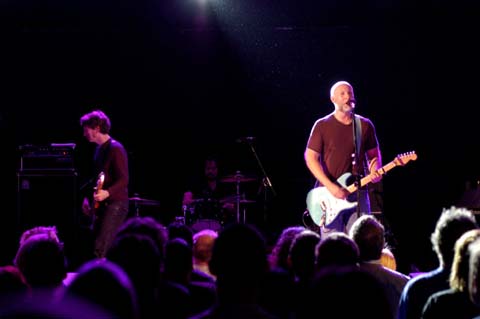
x,y
239,261
369,234
337,249
103,286
152,270
456,297
452,224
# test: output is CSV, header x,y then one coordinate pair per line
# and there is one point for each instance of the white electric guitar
x,y
324,208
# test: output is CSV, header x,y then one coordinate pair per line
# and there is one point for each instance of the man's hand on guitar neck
x,y
375,177
374,165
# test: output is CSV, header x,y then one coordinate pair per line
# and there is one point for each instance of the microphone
x,y
352,103
246,139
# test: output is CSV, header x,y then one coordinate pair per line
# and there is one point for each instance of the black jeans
x,y
107,224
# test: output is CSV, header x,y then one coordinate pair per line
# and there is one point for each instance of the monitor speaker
x,y
48,198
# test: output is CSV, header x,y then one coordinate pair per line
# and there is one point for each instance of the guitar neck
x,y
367,179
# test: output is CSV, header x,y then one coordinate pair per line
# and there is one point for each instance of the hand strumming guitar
x,y
101,195
338,191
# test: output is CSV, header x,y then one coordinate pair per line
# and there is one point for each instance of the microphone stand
x,y
356,161
265,180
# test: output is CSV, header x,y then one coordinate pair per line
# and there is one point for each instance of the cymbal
x,y
143,201
237,178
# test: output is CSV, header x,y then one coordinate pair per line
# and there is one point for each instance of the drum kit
x,y
209,213
139,204
206,213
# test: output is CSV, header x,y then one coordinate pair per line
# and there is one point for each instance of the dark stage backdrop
x,y
182,82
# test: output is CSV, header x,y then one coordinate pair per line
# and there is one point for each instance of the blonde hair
x,y
460,266
474,272
388,259
203,242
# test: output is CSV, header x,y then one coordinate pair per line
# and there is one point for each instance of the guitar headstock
x,y
404,158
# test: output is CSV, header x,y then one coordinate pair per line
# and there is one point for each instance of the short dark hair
x,y
96,119
369,235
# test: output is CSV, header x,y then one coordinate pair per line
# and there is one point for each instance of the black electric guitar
x,y
325,209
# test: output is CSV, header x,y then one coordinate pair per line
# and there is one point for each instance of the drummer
x,y
204,196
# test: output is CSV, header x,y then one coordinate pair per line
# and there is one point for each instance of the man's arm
x,y
374,158
313,164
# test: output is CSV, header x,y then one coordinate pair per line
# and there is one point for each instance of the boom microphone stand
x,y
356,159
265,180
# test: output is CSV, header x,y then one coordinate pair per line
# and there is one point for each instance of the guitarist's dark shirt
x,y
334,141
111,158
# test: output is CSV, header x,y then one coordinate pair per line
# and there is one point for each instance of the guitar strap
x,y
358,138
358,133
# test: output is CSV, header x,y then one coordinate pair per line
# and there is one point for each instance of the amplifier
x,y
36,206
52,156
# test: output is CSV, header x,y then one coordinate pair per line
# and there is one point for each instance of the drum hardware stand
x,y
138,202
182,219
241,218
136,207
266,183
237,198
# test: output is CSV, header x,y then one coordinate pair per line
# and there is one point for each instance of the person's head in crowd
x,y
49,231
460,267
106,285
202,248
453,222
178,229
138,255
12,285
148,226
239,258
336,249
388,259
178,261
278,258
369,235
361,295
474,273
302,254
41,260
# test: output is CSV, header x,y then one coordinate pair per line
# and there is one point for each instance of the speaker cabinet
x,y
48,198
